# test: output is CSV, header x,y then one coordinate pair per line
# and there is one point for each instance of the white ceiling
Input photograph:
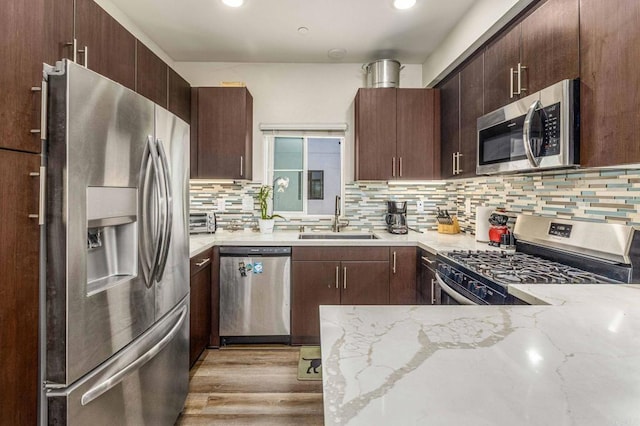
x,y
266,30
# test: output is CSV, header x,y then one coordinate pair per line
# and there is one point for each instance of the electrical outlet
x,y
420,206
467,206
247,203
222,204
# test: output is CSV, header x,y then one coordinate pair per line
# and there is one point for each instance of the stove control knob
x,y
473,285
458,277
482,291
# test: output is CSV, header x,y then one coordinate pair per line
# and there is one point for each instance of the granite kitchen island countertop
x,y
483,365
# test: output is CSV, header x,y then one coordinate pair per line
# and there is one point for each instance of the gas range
x,y
548,251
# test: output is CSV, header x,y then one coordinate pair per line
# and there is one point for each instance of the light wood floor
x,y
251,386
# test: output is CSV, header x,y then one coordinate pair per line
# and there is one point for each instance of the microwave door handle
x,y
526,134
454,294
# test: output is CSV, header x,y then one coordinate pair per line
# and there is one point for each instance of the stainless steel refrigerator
x,y
116,349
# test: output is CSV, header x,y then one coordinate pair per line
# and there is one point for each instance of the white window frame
x,y
269,177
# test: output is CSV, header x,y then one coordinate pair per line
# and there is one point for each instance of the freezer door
x,y
172,275
97,301
144,384
255,296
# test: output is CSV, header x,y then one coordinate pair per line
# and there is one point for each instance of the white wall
x,y
294,93
482,21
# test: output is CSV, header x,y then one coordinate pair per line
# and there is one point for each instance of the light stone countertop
x,y
484,365
429,240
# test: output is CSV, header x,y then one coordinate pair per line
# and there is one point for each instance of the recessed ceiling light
x,y
403,4
233,3
337,53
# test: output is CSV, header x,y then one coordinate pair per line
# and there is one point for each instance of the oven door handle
x,y
526,134
454,294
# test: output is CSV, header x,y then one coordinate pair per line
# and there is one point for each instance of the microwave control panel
x,y
550,131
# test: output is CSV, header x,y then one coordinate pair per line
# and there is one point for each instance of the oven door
x,y
448,296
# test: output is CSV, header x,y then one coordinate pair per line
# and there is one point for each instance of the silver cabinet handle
x,y
393,166
118,377
203,262
511,93
458,169
453,164
242,166
43,109
433,291
394,262
526,133
85,55
520,88
344,278
41,194
426,259
337,276
74,46
400,166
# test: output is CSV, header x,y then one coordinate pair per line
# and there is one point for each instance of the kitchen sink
x,y
337,236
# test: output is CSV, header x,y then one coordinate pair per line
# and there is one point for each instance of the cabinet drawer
x,y
200,261
341,253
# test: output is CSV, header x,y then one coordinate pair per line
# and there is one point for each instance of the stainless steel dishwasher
x,y
255,294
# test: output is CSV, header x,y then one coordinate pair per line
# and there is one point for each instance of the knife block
x,y
454,228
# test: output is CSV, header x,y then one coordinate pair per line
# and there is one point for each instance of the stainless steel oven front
x,y
540,131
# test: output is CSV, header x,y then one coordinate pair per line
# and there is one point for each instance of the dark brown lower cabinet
x,y
334,276
19,258
427,294
402,277
313,284
200,315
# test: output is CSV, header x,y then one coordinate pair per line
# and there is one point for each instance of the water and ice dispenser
x,y
112,241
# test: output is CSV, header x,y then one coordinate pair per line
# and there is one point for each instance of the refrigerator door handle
x,y
168,205
160,209
155,227
96,391
145,231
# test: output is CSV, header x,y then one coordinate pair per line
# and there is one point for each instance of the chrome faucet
x,y
337,223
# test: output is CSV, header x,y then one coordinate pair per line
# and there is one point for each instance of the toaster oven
x,y
202,222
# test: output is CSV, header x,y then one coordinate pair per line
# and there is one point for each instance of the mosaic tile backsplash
x,y
599,195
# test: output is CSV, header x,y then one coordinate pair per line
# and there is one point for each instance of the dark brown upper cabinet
x,y
58,42
103,45
397,134
151,75
536,52
222,133
21,50
610,82
462,98
179,96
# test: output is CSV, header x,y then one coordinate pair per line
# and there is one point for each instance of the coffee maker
x,y
396,217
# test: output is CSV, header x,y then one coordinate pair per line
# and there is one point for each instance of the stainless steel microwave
x,y
538,132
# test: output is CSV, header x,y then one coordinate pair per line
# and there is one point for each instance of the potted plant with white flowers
x,y
266,220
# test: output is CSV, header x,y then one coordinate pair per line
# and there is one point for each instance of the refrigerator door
x,y
97,301
144,384
172,273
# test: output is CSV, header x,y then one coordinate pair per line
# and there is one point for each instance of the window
x,y
306,172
